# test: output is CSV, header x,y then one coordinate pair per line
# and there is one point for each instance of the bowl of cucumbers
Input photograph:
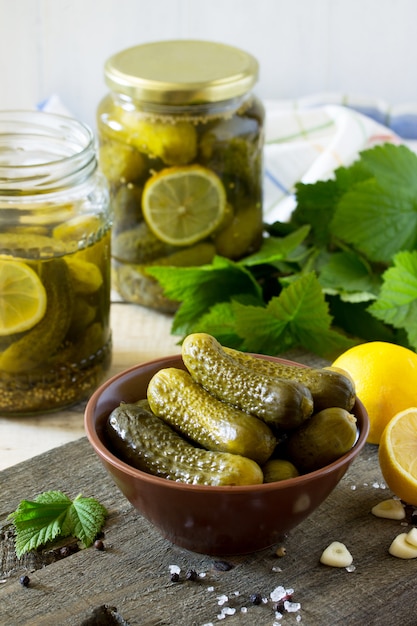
x,y
223,451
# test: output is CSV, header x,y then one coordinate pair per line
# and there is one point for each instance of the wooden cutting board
x,y
132,574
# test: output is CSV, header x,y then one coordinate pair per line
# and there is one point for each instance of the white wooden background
x,y
360,47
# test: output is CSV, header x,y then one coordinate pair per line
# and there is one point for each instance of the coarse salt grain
x,y
244,609
279,593
222,599
174,569
277,569
350,568
210,588
291,607
228,610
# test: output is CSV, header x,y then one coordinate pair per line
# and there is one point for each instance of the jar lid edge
x,y
182,72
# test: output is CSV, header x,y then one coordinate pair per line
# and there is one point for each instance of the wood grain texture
x,y
132,573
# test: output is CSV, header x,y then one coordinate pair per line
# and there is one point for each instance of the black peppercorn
x,y
191,574
64,551
98,544
24,580
175,577
255,598
223,566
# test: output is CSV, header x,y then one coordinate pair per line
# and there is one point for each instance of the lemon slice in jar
x,y
22,297
183,205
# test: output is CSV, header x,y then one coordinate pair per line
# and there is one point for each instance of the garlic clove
x,y
412,537
336,555
389,509
401,548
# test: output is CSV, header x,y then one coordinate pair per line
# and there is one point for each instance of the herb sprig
x,y
343,270
52,514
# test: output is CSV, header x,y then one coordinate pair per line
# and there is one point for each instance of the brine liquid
x,y
62,358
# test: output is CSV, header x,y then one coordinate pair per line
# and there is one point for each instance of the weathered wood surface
x,y
132,573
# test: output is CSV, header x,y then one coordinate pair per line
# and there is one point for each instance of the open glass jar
x,y
55,339
181,141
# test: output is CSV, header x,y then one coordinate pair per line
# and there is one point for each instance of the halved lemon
x,y
183,205
398,455
22,297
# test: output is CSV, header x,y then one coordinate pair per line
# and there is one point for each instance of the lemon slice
x,y
398,455
183,205
22,297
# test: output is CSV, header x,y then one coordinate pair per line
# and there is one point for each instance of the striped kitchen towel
x,y
307,139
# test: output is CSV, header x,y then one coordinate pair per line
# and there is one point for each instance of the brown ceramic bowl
x,y
210,520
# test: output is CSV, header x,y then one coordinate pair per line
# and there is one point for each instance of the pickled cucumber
x,y
174,143
242,235
135,282
279,469
127,207
149,444
326,436
86,277
139,245
283,404
329,387
120,163
196,414
38,344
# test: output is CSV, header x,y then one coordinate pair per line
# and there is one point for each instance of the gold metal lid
x,y
181,72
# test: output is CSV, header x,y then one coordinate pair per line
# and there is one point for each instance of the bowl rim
x,y
106,455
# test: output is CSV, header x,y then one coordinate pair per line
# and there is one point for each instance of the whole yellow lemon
x,y
385,377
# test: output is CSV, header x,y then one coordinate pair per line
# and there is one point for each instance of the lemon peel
x,y
22,297
385,377
183,205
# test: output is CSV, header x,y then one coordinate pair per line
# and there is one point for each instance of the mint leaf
x,y
298,316
377,220
397,301
198,288
53,514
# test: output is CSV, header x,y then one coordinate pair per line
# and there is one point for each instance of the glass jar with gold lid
x,y
55,341
181,141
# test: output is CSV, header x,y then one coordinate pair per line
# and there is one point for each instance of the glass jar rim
x,y
182,71
42,151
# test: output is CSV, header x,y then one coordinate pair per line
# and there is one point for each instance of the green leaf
x,y
53,514
348,276
316,202
397,301
377,220
356,320
298,316
276,249
87,515
220,321
315,206
393,166
199,288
